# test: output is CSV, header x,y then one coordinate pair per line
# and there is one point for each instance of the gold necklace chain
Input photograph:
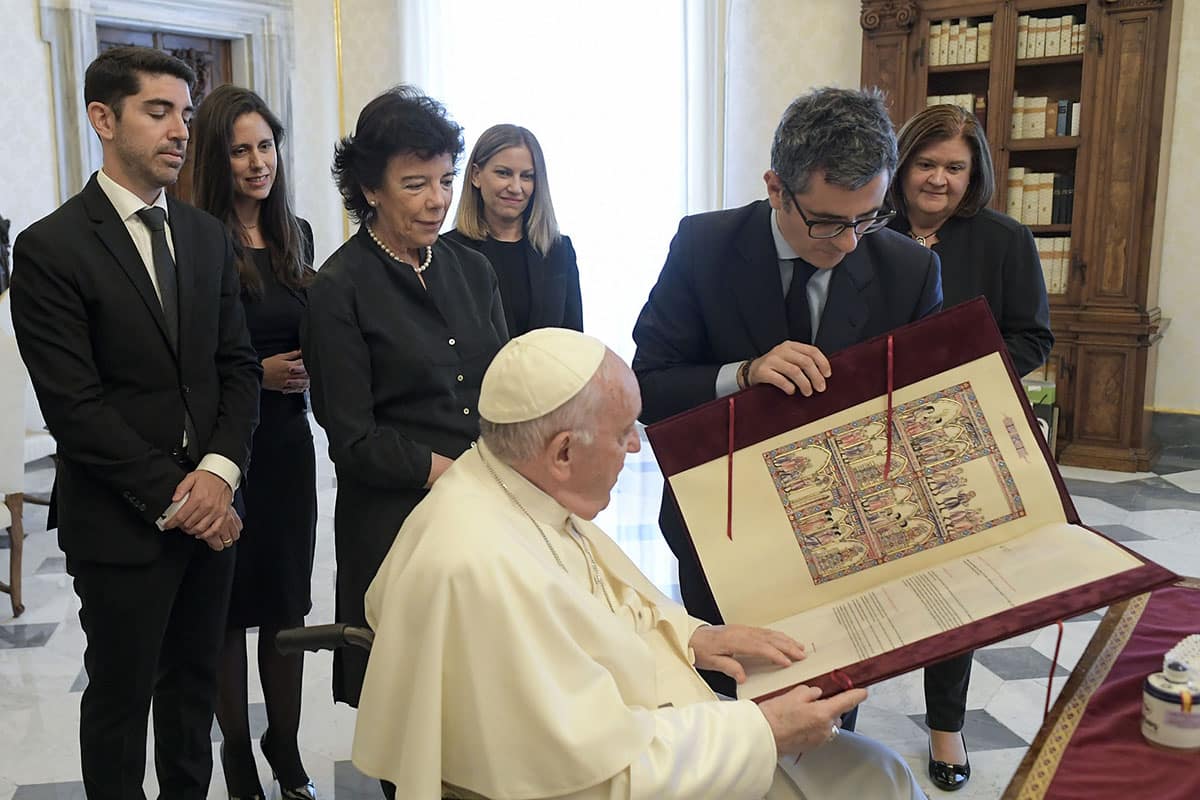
x,y
593,567
424,264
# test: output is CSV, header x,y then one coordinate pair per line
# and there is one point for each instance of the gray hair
x,y
516,442
846,133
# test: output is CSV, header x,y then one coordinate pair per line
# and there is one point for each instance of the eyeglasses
x,y
832,228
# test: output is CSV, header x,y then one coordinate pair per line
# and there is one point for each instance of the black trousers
x,y
154,632
946,693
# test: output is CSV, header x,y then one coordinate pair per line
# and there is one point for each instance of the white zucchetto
x,y
536,373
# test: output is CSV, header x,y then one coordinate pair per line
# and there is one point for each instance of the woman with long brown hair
x,y
240,179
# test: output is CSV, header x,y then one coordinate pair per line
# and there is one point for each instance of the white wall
x,y
28,175
1178,385
779,49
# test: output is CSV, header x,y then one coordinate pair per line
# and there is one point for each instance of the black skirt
x,y
273,578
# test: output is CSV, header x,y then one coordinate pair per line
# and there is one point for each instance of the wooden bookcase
x,y
1106,322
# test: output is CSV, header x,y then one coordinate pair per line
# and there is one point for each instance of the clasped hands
x,y
207,513
800,721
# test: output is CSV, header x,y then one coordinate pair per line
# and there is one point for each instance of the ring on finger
x,y
227,542
834,730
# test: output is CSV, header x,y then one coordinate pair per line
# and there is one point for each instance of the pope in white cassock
x,y
520,654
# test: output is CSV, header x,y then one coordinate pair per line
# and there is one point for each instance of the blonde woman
x,y
506,214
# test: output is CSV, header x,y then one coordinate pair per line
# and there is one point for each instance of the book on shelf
x,y
1037,29
1053,36
935,35
1048,125
1016,194
1062,118
970,52
1030,184
1023,36
1017,120
1065,24
1074,119
1033,125
909,512
981,110
944,42
955,42
983,51
1045,200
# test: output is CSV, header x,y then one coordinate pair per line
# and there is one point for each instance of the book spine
x,y
1023,36
1037,27
1083,37
1053,35
1062,251
955,40
1029,198
1047,267
1057,200
1068,199
1035,117
1045,197
1074,119
1051,118
944,43
935,34
981,111
971,54
1061,124
984,51
1017,126
1015,199
1066,23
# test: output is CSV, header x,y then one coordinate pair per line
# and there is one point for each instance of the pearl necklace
x,y
593,567
424,264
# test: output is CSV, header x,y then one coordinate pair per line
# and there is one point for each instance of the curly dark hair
x,y
400,121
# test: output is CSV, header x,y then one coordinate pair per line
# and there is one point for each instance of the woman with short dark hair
x,y
941,190
240,179
505,213
401,325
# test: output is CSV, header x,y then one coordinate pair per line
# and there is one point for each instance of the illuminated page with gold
x,y
884,555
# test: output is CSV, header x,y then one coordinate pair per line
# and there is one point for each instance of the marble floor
x,y
1156,514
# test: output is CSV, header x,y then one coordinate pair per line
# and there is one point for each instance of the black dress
x,y
396,370
539,291
273,577
993,255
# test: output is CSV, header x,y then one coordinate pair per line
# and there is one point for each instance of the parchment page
x,y
814,520
954,593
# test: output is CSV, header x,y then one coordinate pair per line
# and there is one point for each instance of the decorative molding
x,y
1131,5
888,16
260,33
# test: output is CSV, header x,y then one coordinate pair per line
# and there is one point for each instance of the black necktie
x,y
164,269
796,302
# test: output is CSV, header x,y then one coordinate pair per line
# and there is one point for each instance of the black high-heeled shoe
x,y
949,777
307,791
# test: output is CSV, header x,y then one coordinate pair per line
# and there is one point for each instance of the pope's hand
x,y
729,648
800,721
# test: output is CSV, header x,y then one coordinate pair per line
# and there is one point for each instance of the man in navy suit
x,y
763,293
127,313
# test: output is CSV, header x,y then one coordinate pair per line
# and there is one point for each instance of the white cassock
x,y
496,673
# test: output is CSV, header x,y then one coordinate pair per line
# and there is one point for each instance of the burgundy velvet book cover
x,y
919,351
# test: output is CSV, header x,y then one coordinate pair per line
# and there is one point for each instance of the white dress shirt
x,y
127,204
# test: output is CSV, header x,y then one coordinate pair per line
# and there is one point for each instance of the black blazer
x,y
719,300
112,389
993,255
555,300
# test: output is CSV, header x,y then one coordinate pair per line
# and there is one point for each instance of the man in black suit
x,y
763,293
127,315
